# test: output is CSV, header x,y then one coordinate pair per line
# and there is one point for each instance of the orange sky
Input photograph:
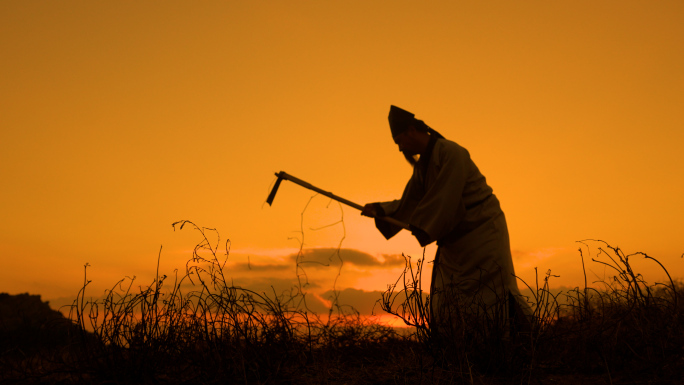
x,y
120,118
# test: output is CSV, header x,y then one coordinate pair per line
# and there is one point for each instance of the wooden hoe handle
x,y
283,175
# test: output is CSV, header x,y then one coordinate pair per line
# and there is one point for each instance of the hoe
x,y
283,175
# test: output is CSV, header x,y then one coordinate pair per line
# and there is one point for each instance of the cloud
x,y
315,271
259,267
325,257
365,302
393,260
281,286
531,258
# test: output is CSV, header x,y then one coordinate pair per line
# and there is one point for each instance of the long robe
x,y
448,199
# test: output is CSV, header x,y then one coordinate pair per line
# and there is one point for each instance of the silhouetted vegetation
x,y
625,331
199,328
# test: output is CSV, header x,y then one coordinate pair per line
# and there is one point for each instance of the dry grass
x,y
625,331
202,329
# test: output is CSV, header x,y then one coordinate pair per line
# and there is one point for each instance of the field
x,y
199,329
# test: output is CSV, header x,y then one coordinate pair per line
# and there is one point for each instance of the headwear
x,y
399,120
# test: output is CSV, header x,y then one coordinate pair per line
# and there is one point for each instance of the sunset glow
x,y
119,119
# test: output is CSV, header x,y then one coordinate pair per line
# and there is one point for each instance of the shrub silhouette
x,y
202,329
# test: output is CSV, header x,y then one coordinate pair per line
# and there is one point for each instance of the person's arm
x,y
373,210
381,209
400,210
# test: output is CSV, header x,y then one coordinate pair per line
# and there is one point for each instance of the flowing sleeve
x,y
401,209
441,207
388,230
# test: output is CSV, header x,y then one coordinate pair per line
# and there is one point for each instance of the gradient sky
x,y
119,118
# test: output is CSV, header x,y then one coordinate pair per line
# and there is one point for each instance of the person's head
x,y
411,141
410,134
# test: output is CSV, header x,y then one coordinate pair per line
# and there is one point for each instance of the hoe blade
x,y
271,196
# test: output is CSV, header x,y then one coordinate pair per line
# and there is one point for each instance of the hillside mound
x,y
27,324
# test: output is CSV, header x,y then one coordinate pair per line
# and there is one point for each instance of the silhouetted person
x,y
447,200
